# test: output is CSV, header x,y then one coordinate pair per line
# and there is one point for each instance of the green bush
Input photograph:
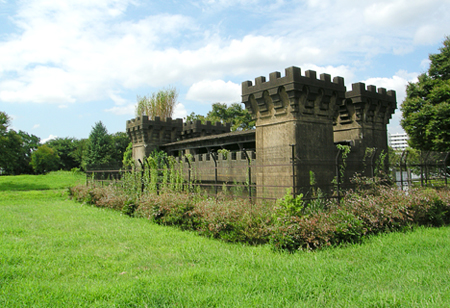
x,y
286,225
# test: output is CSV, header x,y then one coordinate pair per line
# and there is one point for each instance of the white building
x,y
398,141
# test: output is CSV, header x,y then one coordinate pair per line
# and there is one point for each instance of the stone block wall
x,y
294,110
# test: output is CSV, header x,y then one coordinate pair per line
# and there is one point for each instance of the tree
x,y
426,109
66,149
99,150
29,143
120,142
44,159
15,148
239,117
160,104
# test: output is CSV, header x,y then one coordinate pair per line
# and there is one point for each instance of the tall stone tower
x,y
293,110
362,118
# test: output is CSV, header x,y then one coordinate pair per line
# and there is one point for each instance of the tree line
x,y
23,153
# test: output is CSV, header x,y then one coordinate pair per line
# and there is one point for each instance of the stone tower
x,y
293,110
147,135
362,118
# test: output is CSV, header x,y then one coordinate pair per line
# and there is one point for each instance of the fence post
x,y
189,174
426,169
249,175
215,170
338,177
401,165
294,193
142,175
445,167
372,167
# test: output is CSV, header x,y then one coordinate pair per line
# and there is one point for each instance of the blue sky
x,y
65,65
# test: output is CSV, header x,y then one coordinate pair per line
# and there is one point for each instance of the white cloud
x,y
78,51
398,82
425,64
51,137
179,112
208,91
123,110
36,126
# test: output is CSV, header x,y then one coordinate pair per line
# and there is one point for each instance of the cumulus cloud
x,y
36,126
51,137
67,52
208,91
398,83
180,111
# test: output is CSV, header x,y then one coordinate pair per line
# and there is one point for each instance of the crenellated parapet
x,y
366,106
141,129
293,94
194,129
147,135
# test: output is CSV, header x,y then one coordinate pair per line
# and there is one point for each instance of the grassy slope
x,y
55,252
52,180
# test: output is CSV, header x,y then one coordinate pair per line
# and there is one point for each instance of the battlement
x,y
194,129
359,92
293,74
293,93
143,130
367,105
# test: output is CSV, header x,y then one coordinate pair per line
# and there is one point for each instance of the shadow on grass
x,y
14,186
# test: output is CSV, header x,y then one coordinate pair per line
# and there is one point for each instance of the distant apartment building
x,y
398,141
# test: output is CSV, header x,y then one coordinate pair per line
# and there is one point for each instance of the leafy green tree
x,y
80,151
15,148
4,123
99,148
65,148
120,142
160,104
44,159
239,117
29,143
426,109
10,148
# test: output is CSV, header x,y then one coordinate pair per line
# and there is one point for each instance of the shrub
x,y
288,225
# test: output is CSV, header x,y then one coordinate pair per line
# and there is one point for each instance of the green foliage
x,y
15,148
67,151
426,109
44,160
128,160
235,114
289,205
99,149
120,142
345,151
160,104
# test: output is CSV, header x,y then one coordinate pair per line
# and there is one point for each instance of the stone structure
x,y
362,119
294,110
297,115
148,135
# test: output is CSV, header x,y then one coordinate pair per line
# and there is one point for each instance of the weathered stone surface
x,y
303,113
294,110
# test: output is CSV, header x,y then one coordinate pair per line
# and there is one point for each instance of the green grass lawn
x,y
52,180
58,253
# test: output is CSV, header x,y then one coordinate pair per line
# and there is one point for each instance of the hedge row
x,y
290,224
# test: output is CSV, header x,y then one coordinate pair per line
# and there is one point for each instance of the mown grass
x,y
58,253
52,180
